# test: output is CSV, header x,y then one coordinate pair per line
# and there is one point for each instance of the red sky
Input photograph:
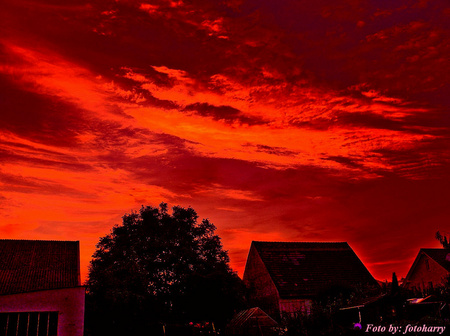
x,y
277,120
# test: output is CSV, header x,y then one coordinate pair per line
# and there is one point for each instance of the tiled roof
x,y
31,265
440,255
302,269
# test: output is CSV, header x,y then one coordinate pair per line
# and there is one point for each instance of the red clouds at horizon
x,y
320,122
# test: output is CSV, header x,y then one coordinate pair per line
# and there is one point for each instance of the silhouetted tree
x,y
394,285
157,269
443,240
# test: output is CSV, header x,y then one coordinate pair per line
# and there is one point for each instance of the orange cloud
x,y
276,124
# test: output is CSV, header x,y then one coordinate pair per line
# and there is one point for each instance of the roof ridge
x,y
437,257
42,290
303,242
303,269
30,265
40,240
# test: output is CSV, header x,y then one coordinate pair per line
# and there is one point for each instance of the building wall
x,y
263,292
69,303
427,274
295,306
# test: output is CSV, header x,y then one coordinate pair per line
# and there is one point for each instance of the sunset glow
x,y
284,121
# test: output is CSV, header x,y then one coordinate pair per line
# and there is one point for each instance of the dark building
x,y
430,270
40,288
285,277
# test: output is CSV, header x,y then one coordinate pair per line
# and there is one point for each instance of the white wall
x,y
68,302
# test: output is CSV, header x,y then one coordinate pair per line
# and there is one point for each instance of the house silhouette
x,y
40,288
285,277
429,270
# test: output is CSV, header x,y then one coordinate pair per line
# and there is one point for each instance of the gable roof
x,y
440,255
253,316
303,269
32,265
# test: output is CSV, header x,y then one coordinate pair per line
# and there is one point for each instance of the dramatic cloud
x,y
323,121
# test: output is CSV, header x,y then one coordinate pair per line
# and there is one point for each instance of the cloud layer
x,y
325,121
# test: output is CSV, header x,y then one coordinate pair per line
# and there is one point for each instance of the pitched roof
x,y
302,269
440,255
31,265
253,316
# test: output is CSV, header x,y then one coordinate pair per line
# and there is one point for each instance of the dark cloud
x,y
41,117
369,120
57,161
226,113
346,161
400,51
26,185
270,48
429,161
275,150
183,172
53,121
355,120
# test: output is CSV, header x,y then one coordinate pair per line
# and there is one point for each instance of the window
x,y
29,324
427,264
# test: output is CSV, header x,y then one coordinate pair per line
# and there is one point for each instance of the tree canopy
x,y
443,240
158,268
